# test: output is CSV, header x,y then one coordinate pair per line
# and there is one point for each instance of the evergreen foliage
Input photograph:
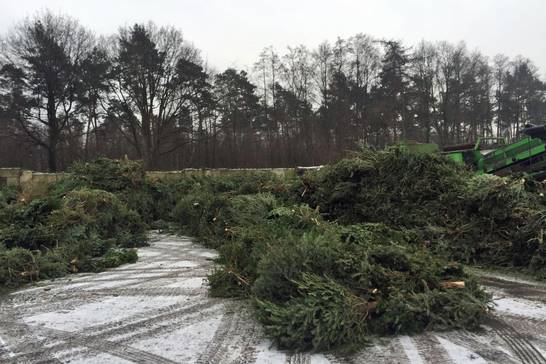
x,y
77,226
368,246
483,219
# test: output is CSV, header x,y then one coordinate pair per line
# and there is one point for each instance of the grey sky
x,y
233,32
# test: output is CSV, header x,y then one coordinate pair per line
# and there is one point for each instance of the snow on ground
x,y
410,349
158,311
100,358
99,312
460,354
521,307
183,345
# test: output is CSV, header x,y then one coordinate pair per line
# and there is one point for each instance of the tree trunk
x,y
148,152
52,155
53,133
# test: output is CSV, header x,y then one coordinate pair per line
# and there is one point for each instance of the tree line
x,y
146,93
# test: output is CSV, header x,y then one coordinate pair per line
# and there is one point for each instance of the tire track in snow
x,y
525,324
525,351
152,292
336,358
29,347
95,341
251,336
165,326
121,327
430,349
411,350
480,344
379,351
5,348
298,358
121,351
226,330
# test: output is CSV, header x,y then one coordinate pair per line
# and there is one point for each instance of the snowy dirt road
x,y
158,311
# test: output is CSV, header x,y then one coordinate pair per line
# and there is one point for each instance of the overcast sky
x,y
233,32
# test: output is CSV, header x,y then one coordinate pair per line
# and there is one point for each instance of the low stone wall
x,y
215,172
10,176
31,183
34,183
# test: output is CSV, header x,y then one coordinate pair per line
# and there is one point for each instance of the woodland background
x,y
146,93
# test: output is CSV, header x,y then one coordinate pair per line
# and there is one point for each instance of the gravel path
x,y
158,311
